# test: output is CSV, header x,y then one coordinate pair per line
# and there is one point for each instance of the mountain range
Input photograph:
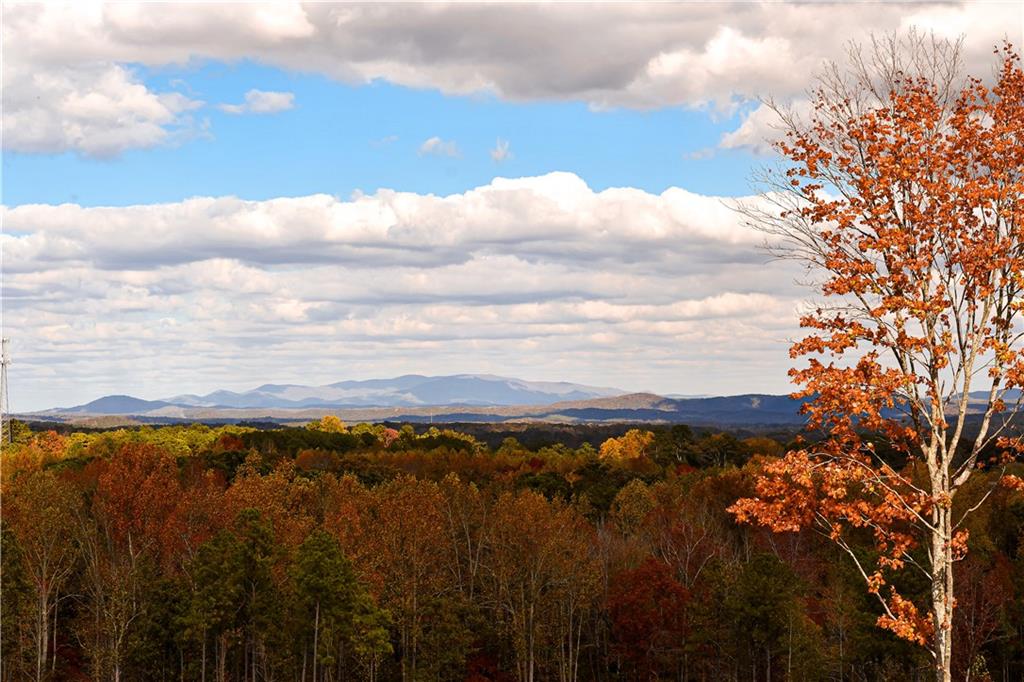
x,y
460,397
455,398
411,390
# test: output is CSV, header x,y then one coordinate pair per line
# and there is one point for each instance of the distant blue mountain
x,y
117,404
740,409
453,398
410,390
461,397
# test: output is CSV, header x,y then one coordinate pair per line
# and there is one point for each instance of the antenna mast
x,y
5,408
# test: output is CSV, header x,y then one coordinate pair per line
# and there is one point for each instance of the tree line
x,y
373,553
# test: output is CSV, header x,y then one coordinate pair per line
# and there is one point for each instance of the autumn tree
x,y
15,609
282,498
648,612
407,542
465,512
683,530
328,423
136,493
542,579
633,445
42,510
903,193
197,516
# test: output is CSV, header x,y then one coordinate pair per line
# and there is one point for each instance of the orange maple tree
x,y
903,191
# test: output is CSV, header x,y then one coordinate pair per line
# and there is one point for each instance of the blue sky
x,y
205,196
341,138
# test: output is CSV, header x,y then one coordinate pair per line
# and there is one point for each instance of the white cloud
x,y
761,128
638,55
261,102
554,217
435,146
537,276
97,110
501,151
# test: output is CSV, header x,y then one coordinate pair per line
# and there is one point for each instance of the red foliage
x,y
648,611
136,494
485,667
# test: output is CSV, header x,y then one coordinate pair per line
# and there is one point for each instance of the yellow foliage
x,y
329,423
633,445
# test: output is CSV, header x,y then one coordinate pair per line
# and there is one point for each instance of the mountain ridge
x,y
408,390
450,398
742,410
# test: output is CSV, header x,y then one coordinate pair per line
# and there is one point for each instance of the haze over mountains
x,y
410,390
405,391
455,398
462,397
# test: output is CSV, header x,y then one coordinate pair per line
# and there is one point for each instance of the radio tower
x,y
5,408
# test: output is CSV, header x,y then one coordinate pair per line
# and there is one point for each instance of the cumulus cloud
x,y
555,217
261,102
501,151
537,277
97,110
637,55
435,146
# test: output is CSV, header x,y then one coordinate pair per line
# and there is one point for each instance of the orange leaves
x,y
404,542
840,492
786,495
1013,483
136,493
922,222
908,202
281,497
848,398
906,622
959,544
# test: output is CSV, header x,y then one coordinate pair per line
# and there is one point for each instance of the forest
x,y
388,552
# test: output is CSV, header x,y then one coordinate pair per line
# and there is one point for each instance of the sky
x,y
209,196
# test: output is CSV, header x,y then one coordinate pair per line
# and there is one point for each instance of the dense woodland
x,y
377,553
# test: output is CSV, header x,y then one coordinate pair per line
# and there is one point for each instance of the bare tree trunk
x,y
222,659
316,638
789,650
530,644
942,592
43,634
53,659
